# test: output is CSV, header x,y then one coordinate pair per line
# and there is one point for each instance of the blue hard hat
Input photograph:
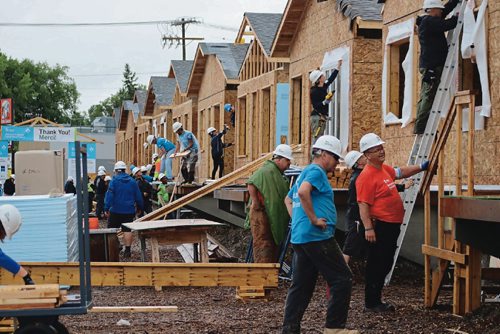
x,y
228,107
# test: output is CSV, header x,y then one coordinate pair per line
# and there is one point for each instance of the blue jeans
x,y
310,259
166,164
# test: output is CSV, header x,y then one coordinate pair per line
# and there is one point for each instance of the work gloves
x,y
27,280
424,165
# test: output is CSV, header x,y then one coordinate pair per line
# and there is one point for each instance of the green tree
x,y
126,92
38,89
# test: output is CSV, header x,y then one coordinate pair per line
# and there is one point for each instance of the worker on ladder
x,y
381,210
10,222
268,217
320,99
433,51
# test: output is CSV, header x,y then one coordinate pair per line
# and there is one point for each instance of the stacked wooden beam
x,y
340,178
252,293
7,325
20,297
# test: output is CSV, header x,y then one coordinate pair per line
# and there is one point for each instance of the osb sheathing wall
x,y
256,139
322,29
143,154
120,145
130,140
211,100
487,142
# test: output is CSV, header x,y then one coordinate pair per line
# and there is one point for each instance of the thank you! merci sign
x,y
27,133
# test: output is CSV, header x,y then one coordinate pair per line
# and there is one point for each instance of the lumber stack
x,y
252,293
7,325
340,178
20,297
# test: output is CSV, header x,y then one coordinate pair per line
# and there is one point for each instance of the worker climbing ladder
x,y
423,143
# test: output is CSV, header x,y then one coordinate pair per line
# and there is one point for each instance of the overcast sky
x,y
96,55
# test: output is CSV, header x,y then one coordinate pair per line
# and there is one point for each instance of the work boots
x,y
340,331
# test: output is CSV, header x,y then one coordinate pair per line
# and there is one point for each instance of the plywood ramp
x,y
153,274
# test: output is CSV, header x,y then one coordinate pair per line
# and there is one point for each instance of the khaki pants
x,y
318,126
428,90
264,248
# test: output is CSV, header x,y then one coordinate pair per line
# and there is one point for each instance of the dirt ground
x,y
216,310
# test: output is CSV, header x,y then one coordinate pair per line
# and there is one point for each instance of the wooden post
x,y
427,241
470,148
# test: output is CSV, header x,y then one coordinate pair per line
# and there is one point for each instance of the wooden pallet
x,y
21,297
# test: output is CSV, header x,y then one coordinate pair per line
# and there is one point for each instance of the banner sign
x,y
6,106
91,158
27,133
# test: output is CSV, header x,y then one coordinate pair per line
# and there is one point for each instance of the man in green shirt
x,y
163,196
268,216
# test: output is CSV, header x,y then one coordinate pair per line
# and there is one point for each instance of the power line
x,y
112,74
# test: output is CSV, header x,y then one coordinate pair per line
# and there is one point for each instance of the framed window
x,y
242,125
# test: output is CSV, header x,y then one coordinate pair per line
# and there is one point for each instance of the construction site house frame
x,y
400,140
130,156
305,39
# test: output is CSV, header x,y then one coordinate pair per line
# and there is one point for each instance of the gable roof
x,y
140,98
127,107
366,10
230,56
163,89
181,69
117,116
265,26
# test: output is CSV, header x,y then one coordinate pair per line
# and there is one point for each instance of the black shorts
x,y
117,219
355,244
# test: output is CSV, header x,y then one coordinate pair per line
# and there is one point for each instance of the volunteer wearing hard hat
x,y
145,188
100,192
9,187
320,99
166,149
186,141
163,196
433,52
10,222
314,217
69,186
268,218
123,199
381,210
145,173
218,147
228,107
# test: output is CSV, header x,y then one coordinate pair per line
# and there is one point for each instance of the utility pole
x,y
183,23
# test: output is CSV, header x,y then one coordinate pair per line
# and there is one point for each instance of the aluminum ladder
x,y
423,143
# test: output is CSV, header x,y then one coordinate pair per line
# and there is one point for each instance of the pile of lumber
x,y
252,293
340,178
21,297
7,325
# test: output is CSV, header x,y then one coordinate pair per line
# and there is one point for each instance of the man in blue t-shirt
x,y
166,149
310,204
186,141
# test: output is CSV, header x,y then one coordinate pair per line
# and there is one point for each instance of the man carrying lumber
x,y
218,147
314,216
320,99
268,216
10,222
123,200
433,52
166,148
186,141
382,212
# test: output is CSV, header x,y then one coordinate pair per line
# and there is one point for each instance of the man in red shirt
x,y
382,212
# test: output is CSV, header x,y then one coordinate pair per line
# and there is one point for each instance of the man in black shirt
x,y
320,98
218,149
433,52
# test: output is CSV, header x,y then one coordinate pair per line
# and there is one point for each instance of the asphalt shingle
x,y
182,69
265,26
164,90
368,10
230,55
140,96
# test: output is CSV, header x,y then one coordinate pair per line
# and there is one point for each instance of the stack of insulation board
x,y
49,230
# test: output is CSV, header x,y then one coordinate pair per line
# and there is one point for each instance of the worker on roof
x,y
433,51
10,222
123,200
165,148
382,212
100,192
310,203
145,188
186,141
218,147
268,217
320,100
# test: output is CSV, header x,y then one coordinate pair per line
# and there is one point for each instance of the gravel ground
x,y
216,310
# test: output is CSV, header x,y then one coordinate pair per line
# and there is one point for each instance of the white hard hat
x,y
154,156
149,139
70,178
120,165
211,129
176,126
368,141
13,176
101,173
351,158
315,75
148,167
330,144
11,219
107,178
428,4
101,168
283,150
145,145
144,169
135,170
161,176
